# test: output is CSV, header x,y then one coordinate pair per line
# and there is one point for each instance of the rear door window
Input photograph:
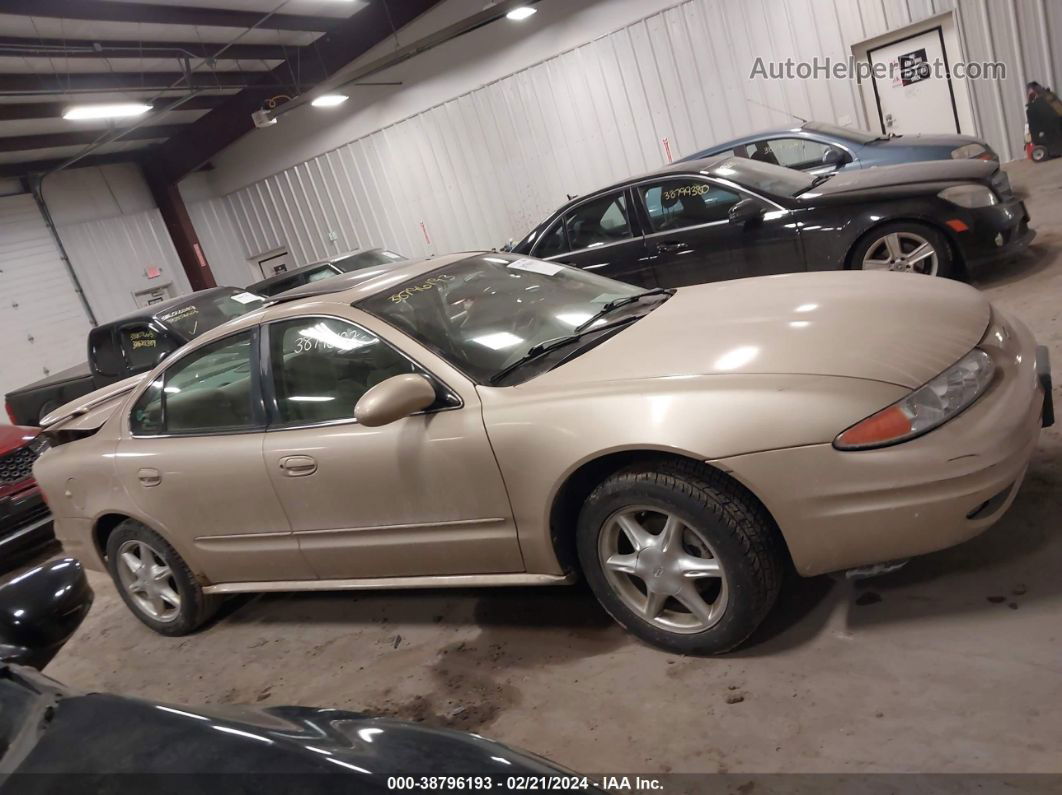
x,y
212,390
599,222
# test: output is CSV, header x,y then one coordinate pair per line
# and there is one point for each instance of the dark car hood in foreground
x,y
915,177
103,735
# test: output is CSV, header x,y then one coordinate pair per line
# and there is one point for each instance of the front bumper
x,y
994,233
25,527
840,510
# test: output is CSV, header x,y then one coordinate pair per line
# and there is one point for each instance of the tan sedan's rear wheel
x,y
155,582
680,555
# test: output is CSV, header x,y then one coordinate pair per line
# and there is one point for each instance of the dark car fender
x,y
830,233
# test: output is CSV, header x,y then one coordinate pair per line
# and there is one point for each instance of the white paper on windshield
x,y
536,266
246,298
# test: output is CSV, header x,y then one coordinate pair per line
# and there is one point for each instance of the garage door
x,y
42,323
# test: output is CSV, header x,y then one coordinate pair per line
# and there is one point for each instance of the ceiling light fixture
x,y
117,111
520,12
329,100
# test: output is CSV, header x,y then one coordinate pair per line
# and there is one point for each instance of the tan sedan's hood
x,y
900,328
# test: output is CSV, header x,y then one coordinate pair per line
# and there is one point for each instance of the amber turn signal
x,y
886,425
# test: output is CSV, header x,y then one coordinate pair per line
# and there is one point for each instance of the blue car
x,y
820,148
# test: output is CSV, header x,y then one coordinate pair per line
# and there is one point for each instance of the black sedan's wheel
x,y
681,556
1039,154
155,582
904,247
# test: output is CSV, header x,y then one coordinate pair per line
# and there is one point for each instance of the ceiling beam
x,y
18,111
45,166
36,82
108,11
91,48
17,143
207,136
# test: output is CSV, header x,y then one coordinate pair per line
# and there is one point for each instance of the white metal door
x,y
915,95
42,322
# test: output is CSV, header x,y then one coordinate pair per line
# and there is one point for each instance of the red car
x,y
25,522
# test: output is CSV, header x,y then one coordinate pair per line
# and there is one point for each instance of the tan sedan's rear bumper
x,y
839,510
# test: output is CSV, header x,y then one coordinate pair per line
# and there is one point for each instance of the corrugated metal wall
x,y
111,257
220,238
484,167
42,322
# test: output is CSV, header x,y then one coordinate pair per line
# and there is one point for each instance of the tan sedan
x,y
483,419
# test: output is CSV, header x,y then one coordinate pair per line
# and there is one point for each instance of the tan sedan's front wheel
x,y
155,582
680,555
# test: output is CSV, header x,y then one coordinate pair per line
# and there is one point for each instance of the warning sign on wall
x,y
914,67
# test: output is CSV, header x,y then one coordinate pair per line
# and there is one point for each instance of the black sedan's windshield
x,y
202,312
485,313
762,177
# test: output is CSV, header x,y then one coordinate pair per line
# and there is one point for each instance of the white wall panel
x,y
111,256
42,322
219,237
484,166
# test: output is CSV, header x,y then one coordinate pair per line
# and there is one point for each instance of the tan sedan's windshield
x,y
486,312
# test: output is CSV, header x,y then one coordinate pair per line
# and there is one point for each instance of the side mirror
x,y
160,356
39,611
393,399
835,157
744,211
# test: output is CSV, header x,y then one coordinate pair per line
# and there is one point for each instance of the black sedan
x,y
728,217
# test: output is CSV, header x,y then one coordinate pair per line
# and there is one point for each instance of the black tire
x,y
947,267
742,536
45,410
195,607
1039,154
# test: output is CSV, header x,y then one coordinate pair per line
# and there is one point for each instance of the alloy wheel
x,y
149,581
902,251
663,570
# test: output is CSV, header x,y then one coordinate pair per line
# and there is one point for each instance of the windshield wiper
x,y
817,181
544,347
616,303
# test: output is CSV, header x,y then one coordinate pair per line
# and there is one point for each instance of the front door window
x,y
681,203
322,367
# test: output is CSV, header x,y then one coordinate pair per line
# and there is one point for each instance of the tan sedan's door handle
x,y
297,466
149,477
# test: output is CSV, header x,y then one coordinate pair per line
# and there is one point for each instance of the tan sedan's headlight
x,y
926,408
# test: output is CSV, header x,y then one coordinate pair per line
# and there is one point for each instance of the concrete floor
x,y
952,664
